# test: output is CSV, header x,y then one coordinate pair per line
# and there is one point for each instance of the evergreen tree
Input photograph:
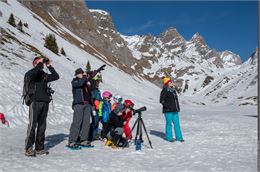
x,y
25,25
88,67
62,51
11,20
51,44
20,26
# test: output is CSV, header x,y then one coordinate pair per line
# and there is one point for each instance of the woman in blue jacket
x,y
169,100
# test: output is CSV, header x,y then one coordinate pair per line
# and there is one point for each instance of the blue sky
x,y
224,25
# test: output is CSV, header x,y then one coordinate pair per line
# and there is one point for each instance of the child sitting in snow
x,y
104,111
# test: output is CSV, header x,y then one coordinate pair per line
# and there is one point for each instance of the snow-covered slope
x,y
18,49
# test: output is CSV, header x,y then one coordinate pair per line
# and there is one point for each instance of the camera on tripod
x,y
140,124
140,110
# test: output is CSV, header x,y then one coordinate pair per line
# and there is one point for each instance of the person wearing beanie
x,y
82,107
171,109
37,95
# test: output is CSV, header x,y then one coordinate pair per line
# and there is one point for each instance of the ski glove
x,y
101,68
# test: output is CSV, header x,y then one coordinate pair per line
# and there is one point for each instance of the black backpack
x,y
28,90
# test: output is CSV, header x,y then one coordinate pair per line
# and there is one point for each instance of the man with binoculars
x,y
37,95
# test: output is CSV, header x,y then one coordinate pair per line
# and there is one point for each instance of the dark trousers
x,y
37,119
81,123
94,126
105,130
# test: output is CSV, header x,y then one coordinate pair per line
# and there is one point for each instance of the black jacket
x,y
81,90
39,80
169,100
115,120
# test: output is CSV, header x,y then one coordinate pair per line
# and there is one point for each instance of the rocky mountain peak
x,y
198,39
171,35
230,59
254,57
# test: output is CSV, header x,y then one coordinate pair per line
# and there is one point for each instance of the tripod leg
x,y
134,126
146,133
137,130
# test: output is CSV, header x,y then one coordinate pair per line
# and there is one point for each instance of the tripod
x,y
140,123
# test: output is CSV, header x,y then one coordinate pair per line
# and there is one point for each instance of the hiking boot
x,y
108,143
30,152
42,152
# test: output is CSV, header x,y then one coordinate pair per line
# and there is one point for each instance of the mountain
x,y
193,65
197,70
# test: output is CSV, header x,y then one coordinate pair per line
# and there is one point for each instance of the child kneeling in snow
x,y
115,128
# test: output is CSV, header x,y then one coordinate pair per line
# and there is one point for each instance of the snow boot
x,y
108,142
42,152
30,152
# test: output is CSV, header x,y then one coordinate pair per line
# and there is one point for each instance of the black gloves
x,y
101,68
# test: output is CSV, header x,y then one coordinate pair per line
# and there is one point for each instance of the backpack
x,y
28,90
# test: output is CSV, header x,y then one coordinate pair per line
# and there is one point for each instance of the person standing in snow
x,y
95,92
127,115
104,111
169,100
38,95
82,106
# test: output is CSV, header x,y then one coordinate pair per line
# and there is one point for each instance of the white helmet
x,y
118,99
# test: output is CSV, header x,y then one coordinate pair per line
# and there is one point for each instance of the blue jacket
x,y
96,94
104,110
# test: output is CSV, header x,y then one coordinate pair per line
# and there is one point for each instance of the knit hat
x,y
119,108
166,80
78,71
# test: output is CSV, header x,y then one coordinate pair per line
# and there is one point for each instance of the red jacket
x,y
127,130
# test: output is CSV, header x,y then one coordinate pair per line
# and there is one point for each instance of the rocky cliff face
x,y
95,27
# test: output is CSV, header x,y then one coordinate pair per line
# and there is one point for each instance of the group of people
x,y
88,103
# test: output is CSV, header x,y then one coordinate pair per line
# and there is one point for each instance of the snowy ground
x,y
222,139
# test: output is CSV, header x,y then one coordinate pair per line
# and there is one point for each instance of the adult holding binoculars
x,y
37,95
